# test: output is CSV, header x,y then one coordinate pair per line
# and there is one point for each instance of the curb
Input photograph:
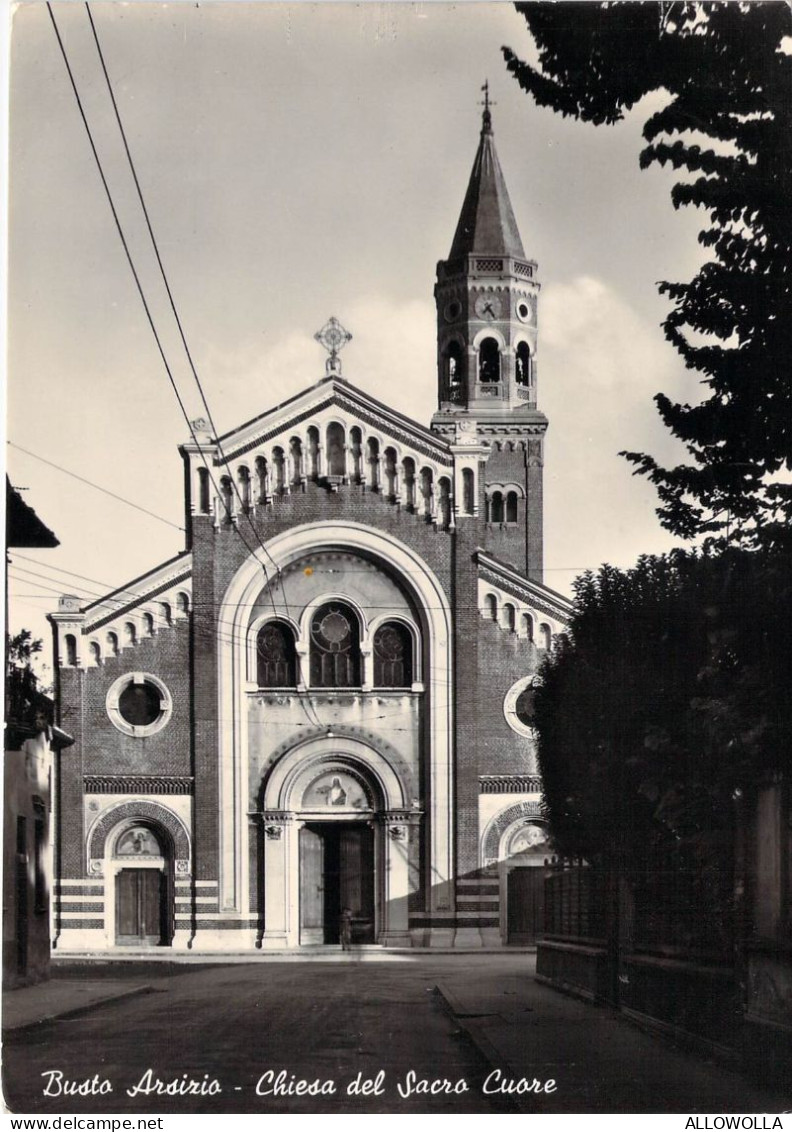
x,y
471,1024
74,1011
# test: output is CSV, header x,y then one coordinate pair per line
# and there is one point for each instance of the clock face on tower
x,y
488,307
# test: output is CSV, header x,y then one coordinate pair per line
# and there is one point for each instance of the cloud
x,y
600,364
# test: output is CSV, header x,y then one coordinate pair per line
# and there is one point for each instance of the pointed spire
x,y
486,224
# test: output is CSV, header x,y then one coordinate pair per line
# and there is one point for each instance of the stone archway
x,y
134,846
424,589
338,832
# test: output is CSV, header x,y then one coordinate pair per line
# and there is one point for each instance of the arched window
x,y
496,507
148,624
276,657
545,637
243,476
523,364
279,463
334,449
491,607
112,644
203,490
393,648
96,652
444,502
427,492
296,459
70,641
313,451
261,479
130,634
373,458
390,472
511,507
454,371
335,647
489,361
356,449
467,491
408,475
527,626
509,617
166,614
183,604
227,496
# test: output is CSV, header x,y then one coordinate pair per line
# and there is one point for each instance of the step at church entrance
x,y
336,872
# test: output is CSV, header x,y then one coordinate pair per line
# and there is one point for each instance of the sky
x,y
300,161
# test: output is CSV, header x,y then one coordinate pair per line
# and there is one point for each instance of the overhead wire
x,y
96,486
133,269
178,321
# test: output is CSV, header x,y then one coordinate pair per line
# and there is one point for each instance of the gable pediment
x,y
333,399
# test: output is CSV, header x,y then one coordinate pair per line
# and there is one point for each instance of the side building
x,y
324,702
30,760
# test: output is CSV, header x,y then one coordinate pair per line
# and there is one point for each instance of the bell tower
x,y
486,296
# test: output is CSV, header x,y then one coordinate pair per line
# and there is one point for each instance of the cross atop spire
x,y
486,224
486,118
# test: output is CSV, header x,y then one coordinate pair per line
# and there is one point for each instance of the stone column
x,y
395,927
279,832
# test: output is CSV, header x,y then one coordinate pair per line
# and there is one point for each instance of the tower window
x,y
523,371
276,658
489,361
496,507
511,507
392,656
454,370
335,651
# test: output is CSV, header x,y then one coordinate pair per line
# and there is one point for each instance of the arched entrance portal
x,y
337,855
140,868
337,836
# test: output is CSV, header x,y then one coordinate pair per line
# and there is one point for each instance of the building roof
x,y
23,526
486,224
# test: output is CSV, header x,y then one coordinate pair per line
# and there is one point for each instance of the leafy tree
x,y
665,703
21,648
726,70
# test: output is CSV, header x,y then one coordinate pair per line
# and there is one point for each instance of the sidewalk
x,y
599,1061
62,998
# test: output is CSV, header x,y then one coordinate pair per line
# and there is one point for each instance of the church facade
x,y
318,714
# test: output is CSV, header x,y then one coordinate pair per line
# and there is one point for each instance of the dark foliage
x,y
668,698
727,124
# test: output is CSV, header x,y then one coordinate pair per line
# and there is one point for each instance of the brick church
x,y
320,711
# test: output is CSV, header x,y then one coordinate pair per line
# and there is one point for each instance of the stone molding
x,y
137,784
138,811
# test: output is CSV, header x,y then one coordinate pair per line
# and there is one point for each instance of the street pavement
x,y
242,1037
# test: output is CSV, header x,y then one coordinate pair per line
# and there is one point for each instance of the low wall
x,y
577,968
684,999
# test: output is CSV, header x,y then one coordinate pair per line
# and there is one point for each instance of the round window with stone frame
x,y
139,704
518,706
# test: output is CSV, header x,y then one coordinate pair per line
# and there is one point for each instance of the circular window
x,y
139,704
524,311
518,706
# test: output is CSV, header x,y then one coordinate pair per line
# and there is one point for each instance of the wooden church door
x,y
139,904
525,905
312,895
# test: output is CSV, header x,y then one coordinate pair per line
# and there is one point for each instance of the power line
x,y
96,486
176,315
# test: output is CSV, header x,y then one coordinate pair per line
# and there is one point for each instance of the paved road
x,y
242,1024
